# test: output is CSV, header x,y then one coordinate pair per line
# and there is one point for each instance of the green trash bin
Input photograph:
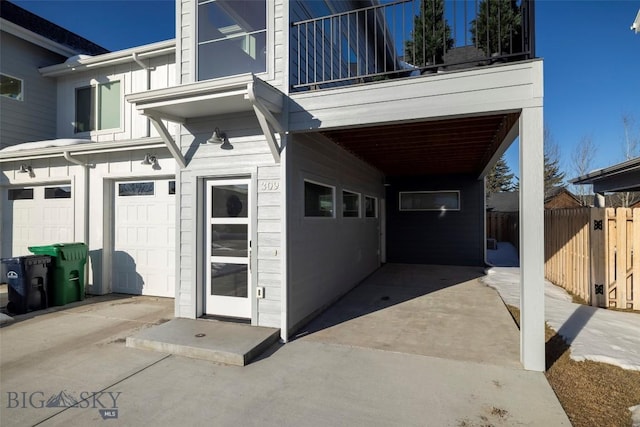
x,y
69,259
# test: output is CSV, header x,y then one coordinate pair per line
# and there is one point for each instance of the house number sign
x,y
271,185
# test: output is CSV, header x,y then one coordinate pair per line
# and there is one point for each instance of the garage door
x,y
144,244
38,215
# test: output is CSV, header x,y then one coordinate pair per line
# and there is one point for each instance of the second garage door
x,y
144,244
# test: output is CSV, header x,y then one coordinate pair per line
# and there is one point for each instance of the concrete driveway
x,y
337,373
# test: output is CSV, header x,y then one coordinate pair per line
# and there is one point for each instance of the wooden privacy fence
x,y
503,226
595,254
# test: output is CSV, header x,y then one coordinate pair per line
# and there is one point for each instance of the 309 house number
x,y
269,185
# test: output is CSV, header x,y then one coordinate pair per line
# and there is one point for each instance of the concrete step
x,y
213,340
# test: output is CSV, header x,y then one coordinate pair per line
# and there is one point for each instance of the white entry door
x,y
228,228
144,244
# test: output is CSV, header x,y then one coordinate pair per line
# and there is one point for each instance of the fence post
x,y
597,224
635,240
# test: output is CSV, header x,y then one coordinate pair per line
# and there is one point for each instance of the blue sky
x,y
591,60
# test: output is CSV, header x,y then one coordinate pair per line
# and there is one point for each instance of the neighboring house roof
x,y
504,201
561,198
22,18
621,177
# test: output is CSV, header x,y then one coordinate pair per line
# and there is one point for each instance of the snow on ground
x,y
594,333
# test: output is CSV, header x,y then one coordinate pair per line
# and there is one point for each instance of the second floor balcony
x,y
402,38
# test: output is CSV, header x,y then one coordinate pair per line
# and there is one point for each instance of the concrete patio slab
x,y
440,311
213,340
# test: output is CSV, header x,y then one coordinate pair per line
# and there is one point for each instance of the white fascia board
x,y
97,147
36,39
188,91
109,59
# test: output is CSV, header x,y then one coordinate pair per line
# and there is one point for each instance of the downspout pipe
x,y
85,171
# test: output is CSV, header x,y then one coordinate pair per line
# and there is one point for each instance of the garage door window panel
x,y
63,192
20,194
136,189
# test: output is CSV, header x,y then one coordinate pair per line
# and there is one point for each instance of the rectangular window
x,y
370,207
172,187
232,37
62,192
350,204
20,194
136,189
11,87
98,107
319,200
429,200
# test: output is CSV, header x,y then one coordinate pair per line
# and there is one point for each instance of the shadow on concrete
x,y
390,285
89,299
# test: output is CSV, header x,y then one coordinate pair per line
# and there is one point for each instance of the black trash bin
x,y
27,278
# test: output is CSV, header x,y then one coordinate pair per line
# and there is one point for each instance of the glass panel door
x,y
228,227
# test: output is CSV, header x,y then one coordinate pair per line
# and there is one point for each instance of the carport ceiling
x,y
454,146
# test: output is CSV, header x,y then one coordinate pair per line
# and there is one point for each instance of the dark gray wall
x,y
433,237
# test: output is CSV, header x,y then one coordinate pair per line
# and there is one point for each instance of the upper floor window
x,y
232,37
98,107
11,87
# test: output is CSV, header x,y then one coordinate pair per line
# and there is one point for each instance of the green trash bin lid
x,y
65,251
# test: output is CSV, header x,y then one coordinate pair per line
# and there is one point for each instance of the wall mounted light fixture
x,y
218,137
26,169
152,160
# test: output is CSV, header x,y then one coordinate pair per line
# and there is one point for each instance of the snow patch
x,y
635,416
45,144
594,333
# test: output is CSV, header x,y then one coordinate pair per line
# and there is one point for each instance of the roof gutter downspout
x,y
86,204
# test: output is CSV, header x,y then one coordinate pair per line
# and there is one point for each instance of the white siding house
x,y
301,154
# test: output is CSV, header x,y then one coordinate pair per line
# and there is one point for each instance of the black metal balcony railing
x,y
409,37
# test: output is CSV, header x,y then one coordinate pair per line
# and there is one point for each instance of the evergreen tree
x,y
498,27
553,176
500,178
431,35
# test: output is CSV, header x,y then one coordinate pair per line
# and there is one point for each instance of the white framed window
x,y
231,38
98,107
370,207
319,200
11,87
20,194
350,204
429,200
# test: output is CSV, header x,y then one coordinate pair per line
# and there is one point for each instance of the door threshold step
x,y
217,341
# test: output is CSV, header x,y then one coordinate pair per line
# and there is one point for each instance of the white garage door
x,y
34,216
144,246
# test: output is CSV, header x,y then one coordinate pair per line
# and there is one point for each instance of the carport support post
x,y
532,343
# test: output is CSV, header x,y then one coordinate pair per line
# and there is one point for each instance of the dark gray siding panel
x,y
433,237
34,118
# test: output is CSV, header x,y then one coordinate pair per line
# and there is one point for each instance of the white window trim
x,y
95,82
429,192
344,190
333,192
269,74
21,97
375,206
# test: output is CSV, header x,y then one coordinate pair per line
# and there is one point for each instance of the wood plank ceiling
x,y
460,146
